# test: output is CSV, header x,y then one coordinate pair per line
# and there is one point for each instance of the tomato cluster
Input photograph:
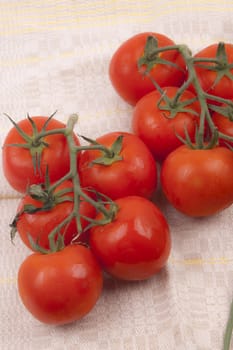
x,y
185,119
96,216
87,208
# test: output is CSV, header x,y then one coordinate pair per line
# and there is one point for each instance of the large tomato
x,y
23,165
136,244
158,128
132,169
217,82
61,287
129,81
198,182
39,224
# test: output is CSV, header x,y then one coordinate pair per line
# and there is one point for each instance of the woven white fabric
x,y
54,55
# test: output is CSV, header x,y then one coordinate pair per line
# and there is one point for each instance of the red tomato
x,y
17,161
225,126
198,182
134,174
124,73
39,224
153,125
61,287
136,244
207,78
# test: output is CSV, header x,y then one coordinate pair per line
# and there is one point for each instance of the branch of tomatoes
x,y
130,255
208,101
49,195
174,105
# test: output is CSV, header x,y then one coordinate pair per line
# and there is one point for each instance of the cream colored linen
x,y
54,55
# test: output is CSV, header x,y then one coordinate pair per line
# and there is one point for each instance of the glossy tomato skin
x,y
225,126
198,182
39,225
156,129
124,74
17,161
224,87
61,287
136,244
135,174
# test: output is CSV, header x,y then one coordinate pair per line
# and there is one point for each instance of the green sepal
x,y
151,56
38,193
36,247
226,111
112,155
34,143
219,64
175,106
91,141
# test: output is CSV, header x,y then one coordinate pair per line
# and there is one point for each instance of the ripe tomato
x,y
207,78
134,174
136,244
198,182
18,162
225,126
61,287
39,224
155,126
124,73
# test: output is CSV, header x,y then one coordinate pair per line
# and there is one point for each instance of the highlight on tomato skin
x,y
129,82
136,244
62,287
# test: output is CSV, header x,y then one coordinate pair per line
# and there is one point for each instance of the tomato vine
x,y
219,64
105,206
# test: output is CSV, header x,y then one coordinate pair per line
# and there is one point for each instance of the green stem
x,y
201,96
97,147
205,59
228,331
66,177
79,194
45,133
166,48
218,99
56,230
182,88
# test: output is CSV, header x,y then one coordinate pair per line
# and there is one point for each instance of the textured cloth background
x,y
54,55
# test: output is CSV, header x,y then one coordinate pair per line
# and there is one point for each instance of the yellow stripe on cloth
x,y
20,17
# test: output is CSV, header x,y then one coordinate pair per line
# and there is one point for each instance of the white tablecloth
x,y
54,55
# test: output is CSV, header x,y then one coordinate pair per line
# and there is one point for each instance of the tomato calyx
x,y
34,142
226,111
110,154
152,56
203,140
44,194
175,106
219,64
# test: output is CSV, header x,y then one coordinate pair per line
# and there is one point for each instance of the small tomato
x,y
136,244
60,287
130,82
198,182
130,169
